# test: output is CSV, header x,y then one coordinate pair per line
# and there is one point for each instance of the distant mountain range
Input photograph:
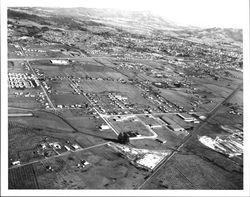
x,y
142,22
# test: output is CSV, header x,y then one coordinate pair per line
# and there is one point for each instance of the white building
x,y
64,62
186,117
104,127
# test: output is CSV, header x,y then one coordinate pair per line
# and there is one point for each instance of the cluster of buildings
x,y
83,163
46,148
133,66
188,118
174,126
33,50
22,80
58,146
75,88
231,145
118,100
41,98
235,109
94,101
110,103
72,106
47,87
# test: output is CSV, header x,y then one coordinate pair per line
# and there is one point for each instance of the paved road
x,y
193,134
84,58
19,115
21,108
27,61
51,104
101,115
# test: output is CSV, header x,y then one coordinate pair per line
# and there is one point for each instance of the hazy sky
x,y
204,13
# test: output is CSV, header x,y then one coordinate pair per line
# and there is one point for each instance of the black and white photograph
x,y
125,97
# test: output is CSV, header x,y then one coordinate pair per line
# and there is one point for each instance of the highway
x,y
193,134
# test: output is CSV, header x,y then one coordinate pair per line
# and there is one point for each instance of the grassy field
x,y
149,120
44,120
193,172
172,139
179,97
89,124
24,102
68,99
131,125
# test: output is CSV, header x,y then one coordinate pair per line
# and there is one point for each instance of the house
x,y
67,148
59,106
104,127
14,163
43,146
76,146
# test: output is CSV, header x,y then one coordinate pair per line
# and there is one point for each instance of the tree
x,y
123,138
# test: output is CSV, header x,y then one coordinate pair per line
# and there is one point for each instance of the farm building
x,y
186,117
154,125
176,127
172,124
167,120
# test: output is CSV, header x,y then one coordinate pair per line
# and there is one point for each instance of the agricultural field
x,y
68,99
23,178
110,169
23,102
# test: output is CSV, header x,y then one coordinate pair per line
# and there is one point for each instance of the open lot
x,y
130,124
